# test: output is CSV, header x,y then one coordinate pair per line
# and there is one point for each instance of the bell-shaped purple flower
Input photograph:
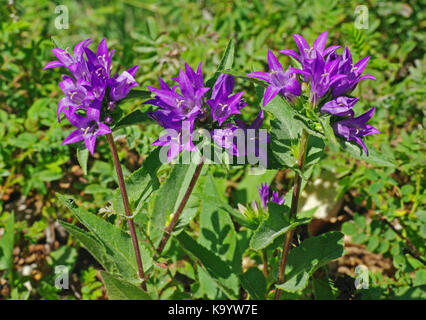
x,y
341,106
221,103
122,84
352,71
323,75
354,128
88,126
280,82
78,93
264,196
306,52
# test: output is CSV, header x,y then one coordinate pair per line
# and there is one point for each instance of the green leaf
x,y
217,232
171,193
276,224
118,243
312,254
254,282
119,289
218,269
285,131
6,244
82,157
131,119
329,133
374,157
93,245
324,289
225,63
140,94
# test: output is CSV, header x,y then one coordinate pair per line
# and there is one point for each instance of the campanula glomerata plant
x,y
310,105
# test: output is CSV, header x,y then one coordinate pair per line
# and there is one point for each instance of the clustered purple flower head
x,y
85,92
280,82
182,111
327,74
264,196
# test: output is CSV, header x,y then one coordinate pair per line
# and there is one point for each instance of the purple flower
x,y
177,140
184,106
188,105
341,106
224,137
280,82
66,59
306,52
264,196
222,105
85,92
78,93
88,127
354,128
122,84
352,71
323,75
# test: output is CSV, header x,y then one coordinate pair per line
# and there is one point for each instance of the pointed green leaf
x,y
93,245
374,156
136,117
118,243
312,254
275,225
254,282
170,194
82,157
217,232
225,63
119,289
218,269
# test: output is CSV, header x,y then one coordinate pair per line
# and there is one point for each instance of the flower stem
x,y
293,211
126,205
169,229
265,263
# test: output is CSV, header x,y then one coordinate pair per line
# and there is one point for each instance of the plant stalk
x,y
169,229
293,211
126,205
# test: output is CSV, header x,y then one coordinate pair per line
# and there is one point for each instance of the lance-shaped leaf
x,y
225,63
135,117
374,157
119,289
312,254
254,282
169,197
93,245
83,157
277,223
218,269
118,243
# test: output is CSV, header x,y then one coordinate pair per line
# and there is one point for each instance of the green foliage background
x,y
160,36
